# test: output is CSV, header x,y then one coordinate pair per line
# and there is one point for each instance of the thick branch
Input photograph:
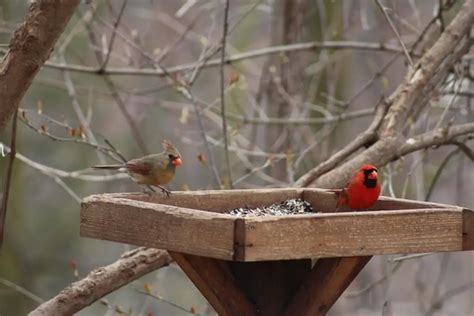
x,y
405,99
102,281
426,68
367,137
29,48
435,138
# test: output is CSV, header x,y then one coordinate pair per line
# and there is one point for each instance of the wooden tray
x,y
192,222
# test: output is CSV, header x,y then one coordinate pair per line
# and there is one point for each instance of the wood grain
x,y
270,284
326,282
217,200
158,226
468,230
215,281
353,234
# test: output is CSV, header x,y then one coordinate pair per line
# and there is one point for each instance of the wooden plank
x,y
468,230
352,234
325,201
158,226
270,285
327,281
216,200
215,281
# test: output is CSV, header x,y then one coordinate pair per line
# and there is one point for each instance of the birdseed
x,y
288,207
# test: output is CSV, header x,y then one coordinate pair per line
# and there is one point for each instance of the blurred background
x,y
302,80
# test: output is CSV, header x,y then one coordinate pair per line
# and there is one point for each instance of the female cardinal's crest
x,y
169,148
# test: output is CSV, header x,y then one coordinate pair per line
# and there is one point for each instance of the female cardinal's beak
x,y
177,162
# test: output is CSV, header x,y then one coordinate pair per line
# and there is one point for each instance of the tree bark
x,y
29,48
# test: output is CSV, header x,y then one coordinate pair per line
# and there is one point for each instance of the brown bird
x,y
152,170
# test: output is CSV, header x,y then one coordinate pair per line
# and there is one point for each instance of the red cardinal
x,y
362,191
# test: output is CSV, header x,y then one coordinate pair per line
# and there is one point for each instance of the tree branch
x,y
101,281
443,54
29,48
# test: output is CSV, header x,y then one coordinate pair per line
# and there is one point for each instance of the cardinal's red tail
x,y
107,167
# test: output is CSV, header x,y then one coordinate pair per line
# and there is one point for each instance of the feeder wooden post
x,y
260,266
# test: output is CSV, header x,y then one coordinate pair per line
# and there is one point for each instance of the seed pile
x,y
288,207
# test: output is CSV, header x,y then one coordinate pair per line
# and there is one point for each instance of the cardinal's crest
x,y
170,149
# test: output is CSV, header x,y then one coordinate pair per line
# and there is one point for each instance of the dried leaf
x,y
44,128
147,287
234,78
72,131
202,158
193,310
82,133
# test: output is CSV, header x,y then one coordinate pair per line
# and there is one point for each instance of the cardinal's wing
x,y
139,166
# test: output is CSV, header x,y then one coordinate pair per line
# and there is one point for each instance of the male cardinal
x,y
362,191
151,170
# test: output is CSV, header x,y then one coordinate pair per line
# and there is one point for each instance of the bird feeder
x,y
262,265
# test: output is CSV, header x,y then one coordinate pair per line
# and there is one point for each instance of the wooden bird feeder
x,y
261,265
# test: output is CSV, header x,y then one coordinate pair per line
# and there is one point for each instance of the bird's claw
x,y
165,191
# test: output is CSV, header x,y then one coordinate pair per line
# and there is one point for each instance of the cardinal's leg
x,y
164,190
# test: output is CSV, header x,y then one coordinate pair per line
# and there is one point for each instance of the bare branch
x,y
387,17
29,48
8,178
104,280
222,77
127,71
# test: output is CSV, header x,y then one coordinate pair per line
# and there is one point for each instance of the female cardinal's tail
x,y
108,167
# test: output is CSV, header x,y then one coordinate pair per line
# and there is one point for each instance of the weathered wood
x,y
468,230
215,281
217,200
270,284
352,234
326,282
158,226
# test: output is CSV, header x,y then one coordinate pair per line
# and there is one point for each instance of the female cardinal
x,y
151,170
362,191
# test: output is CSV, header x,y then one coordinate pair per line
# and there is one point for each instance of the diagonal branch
x,y
101,281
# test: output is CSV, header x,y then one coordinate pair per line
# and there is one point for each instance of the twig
x,y
79,175
439,171
372,285
447,295
127,71
222,77
162,299
394,29
8,178
110,152
35,298
112,38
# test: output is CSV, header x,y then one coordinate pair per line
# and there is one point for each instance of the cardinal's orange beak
x,y
372,175
177,162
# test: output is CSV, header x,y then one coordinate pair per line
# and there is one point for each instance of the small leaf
x,y
202,158
39,105
234,78
147,287
44,128
72,131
